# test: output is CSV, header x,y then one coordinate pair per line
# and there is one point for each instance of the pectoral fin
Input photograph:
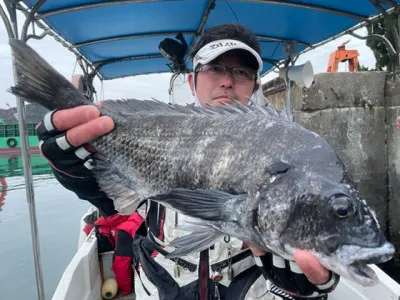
x,y
201,238
210,205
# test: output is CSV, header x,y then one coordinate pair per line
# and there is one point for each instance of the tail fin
x,y
38,82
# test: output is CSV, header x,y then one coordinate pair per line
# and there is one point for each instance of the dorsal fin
x,y
150,107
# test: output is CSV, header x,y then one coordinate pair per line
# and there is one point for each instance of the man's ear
x,y
256,86
191,82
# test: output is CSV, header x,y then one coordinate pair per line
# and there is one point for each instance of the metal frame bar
x,y
135,36
30,18
200,28
11,10
7,23
127,37
310,6
377,4
377,36
37,37
272,62
391,3
264,38
29,190
129,75
98,65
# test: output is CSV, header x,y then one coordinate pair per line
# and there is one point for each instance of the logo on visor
x,y
218,45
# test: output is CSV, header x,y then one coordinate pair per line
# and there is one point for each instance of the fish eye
x,y
341,206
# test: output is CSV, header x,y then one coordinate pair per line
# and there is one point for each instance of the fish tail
x,y
38,82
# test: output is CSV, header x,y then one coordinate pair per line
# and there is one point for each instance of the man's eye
x,y
242,72
215,69
245,73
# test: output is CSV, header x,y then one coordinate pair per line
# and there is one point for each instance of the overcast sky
x,y
148,86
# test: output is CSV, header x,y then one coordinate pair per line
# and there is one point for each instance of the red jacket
x,y
119,231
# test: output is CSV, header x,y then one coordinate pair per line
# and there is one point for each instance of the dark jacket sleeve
x,y
87,189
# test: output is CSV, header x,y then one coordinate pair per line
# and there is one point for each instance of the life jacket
x,y
226,271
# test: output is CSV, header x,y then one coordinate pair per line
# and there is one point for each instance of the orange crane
x,y
343,55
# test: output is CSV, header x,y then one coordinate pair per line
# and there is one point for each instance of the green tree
x,y
363,68
381,53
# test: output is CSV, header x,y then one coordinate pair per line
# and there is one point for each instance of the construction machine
x,y
343,55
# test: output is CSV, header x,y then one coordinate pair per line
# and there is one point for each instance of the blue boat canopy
x,y
120,38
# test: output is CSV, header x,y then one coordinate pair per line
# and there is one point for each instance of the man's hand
x,y
311,267
303,278
82,124
398,123
64,136
307,262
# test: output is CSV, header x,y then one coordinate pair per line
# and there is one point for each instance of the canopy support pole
x,y
199,31
12,30
291,57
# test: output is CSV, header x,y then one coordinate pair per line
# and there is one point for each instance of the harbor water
x,y
58,213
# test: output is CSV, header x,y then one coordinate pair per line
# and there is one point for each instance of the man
x,y
226,69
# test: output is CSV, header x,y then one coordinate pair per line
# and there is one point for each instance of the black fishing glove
x,y
288,277
72,166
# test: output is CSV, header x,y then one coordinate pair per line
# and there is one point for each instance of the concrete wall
x,y
356,113
392,101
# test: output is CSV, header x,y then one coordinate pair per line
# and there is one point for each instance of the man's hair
x,y
227,31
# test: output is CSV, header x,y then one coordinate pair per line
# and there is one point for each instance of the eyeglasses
x,y
238,73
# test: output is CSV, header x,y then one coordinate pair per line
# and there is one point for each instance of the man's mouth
x,y
224,99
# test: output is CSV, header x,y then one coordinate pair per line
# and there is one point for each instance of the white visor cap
x,y
214,49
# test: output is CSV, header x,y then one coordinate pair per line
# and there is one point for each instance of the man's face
x,y
215,89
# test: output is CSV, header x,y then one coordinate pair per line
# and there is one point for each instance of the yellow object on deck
x,y
109,289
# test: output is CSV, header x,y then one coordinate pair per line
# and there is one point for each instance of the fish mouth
x,y
356,260
362,274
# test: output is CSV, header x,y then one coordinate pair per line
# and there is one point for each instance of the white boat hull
x,y
81,279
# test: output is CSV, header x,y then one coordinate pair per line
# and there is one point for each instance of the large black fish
x,y
241,171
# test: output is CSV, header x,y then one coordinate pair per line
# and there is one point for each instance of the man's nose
x,y
226,80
